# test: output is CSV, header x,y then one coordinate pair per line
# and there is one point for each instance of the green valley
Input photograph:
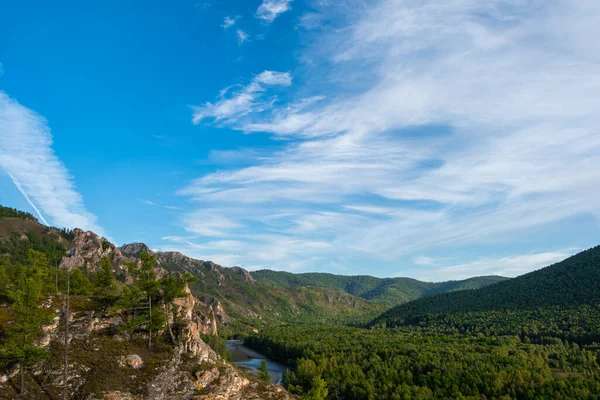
x,y
344,337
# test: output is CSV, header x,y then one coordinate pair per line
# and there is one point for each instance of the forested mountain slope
x,y
232,292
389,291
569,283
531,337
81,320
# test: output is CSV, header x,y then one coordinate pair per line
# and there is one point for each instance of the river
x,y
244,356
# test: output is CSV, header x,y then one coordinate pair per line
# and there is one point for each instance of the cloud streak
x,y
269,10
457,123
241,36
504,266
243,101
27,157
228,22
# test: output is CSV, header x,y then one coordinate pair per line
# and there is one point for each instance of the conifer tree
x,y
263,373
150,286
171,288
104,282
28,317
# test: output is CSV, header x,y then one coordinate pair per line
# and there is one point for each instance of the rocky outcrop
x,y
243,273
134,249
225,382
87,250
186,312
175,261
217,309
171,382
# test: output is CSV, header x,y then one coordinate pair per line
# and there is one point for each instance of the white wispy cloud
x,y
207,223
248,99
266,249
228,22
242,36
27,157
310,20
271,9
504,266
517,96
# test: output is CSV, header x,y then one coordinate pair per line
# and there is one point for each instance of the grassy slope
x,y
571,282
257,303
389,291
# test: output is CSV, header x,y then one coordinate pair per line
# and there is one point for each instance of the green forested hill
x,y
247,302
531,337
572,282
389,291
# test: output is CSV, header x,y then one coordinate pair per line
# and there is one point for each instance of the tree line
x,y
424,362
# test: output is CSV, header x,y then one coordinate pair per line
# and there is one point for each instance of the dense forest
x,y
568,283
424,363
389,291
532,337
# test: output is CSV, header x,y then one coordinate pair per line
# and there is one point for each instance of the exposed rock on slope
x,y
243,273
186,308
134,249
104,366
88,249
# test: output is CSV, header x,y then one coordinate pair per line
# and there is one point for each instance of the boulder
x,y
132,361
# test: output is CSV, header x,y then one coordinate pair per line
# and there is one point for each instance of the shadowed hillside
x,y
574,281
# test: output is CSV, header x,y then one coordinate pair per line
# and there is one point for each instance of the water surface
x,y
242,355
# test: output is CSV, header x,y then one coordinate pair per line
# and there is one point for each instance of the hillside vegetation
x,y
249,303
7,212
389,291
258,304
533,337
572,282
75,325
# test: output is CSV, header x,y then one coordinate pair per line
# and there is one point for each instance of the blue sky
x,y
431,139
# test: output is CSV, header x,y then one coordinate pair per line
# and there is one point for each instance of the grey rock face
x,y
134,249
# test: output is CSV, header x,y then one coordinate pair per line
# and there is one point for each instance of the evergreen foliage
x,y
263,373
572,282
19,347
7,212
424,363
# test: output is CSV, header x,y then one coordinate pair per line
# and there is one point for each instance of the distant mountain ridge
x,y
236,298
389,291
572,282
253,299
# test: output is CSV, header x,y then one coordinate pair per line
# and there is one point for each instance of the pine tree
x,y
104,282
4,279
318,390
149,285
263,373
28,318
171,289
